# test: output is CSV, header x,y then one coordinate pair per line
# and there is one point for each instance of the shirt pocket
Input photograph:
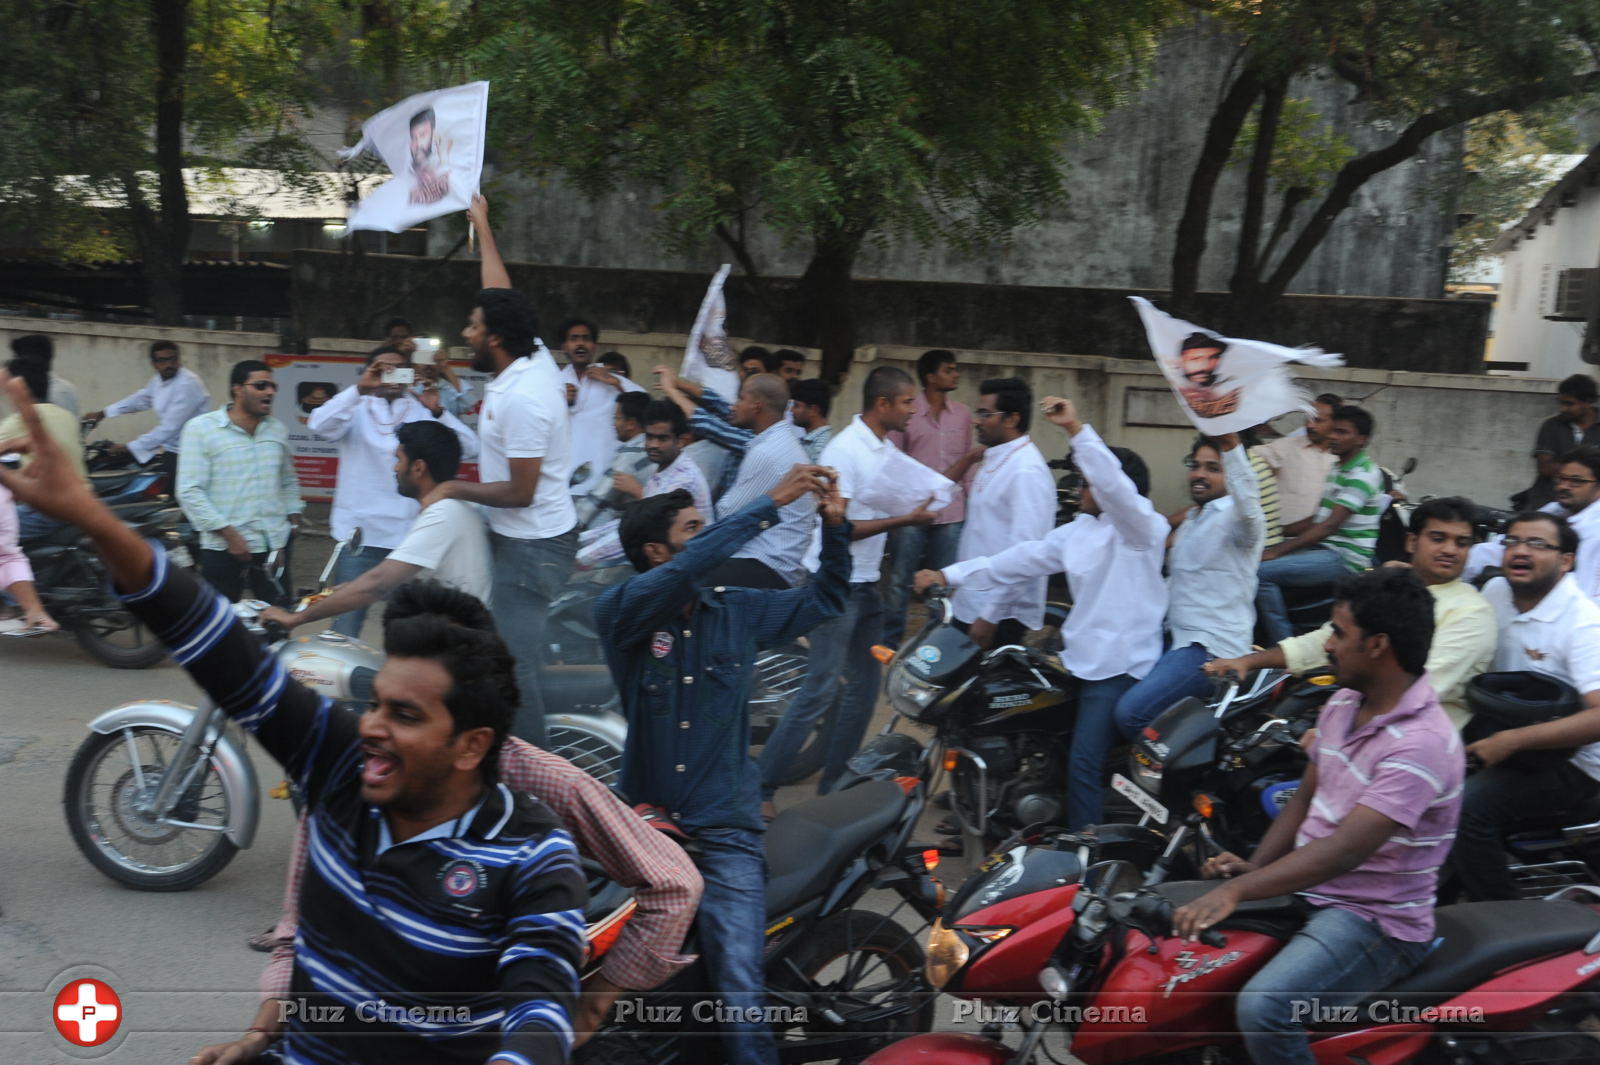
x,y
657,685
725,693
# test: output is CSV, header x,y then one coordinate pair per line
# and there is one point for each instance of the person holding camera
x,y
363,420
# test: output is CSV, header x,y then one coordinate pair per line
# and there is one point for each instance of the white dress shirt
x,y
1011,499
364,494
1211,571
174,401
1113,565
594,437
524,416
857,453
1586,567
1559,637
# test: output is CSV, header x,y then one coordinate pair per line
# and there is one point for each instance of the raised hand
x,y
797,482
1061,412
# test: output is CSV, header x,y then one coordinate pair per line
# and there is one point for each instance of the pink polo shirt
x,y
938,442
1408,765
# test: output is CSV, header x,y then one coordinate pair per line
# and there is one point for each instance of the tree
x,y
1511,161
834,122
1424,67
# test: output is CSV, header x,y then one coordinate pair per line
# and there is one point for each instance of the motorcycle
x,y
1096,960
841,981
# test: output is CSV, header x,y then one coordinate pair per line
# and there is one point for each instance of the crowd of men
x,y
741,523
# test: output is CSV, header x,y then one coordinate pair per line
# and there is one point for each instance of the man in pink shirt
x,y
1363,838
940,433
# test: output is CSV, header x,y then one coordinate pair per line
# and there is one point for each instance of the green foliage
x,y
1307,151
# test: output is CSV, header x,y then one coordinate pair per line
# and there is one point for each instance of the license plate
x,y
1136,795
179,556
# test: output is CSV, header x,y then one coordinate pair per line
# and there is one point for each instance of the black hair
x,y
1445,508
1580,386
783,355
1012,396
664,410
1134,468
617,361
1588,456
649,521
509,315
1201,441
1356,416
437,447
634,404
1394,603
885,382
768,362
929,362
1202,340
813,391
305,388
1332,400
1566,535
425,115
162,345
33,374
243,369
427,619
386,349
390,325
567,326
35,346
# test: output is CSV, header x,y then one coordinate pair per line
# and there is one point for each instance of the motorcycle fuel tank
x,y
332,665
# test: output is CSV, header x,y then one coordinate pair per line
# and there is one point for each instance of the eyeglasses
x,y
263,386
163,358
1535,543
1575,481
982,413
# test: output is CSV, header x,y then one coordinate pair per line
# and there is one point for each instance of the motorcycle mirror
x,y
1411,464
354,543
1111,878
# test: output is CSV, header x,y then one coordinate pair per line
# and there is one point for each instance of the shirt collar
x,y
1355,460
1555,603
873,441
999,452
1414,701
485,814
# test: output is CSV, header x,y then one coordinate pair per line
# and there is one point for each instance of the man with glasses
x,y
176,394
237,485
1577,486
1549,626
1575,424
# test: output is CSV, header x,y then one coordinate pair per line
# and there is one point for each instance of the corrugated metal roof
x,y
240,192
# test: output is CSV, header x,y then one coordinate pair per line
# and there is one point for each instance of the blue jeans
x,y
914,547
732,923
1314,565
1092,737
528,574
1338,959
840,647
351,565
1176,675
32,524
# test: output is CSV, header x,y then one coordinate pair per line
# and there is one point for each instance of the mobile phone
x,y
425,345
400,375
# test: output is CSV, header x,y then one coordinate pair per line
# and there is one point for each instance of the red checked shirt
x,y
665,881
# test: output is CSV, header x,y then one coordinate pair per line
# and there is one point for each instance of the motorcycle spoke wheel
x,y
117,639
111,776
591,753
779,676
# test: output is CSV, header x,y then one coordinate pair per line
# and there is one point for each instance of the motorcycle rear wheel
x,y
588,749
118,640
779,676
134,850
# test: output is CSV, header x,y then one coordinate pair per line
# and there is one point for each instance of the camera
x,y
400,375
425,345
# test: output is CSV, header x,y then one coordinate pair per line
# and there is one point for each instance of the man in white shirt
x,y
593,443
628,463
1575,482
363,420
176,394
1301,461
1111,553
1011,500
842,646
525,463
1211,580
1549,626
446,542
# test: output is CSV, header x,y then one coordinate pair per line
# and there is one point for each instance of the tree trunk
x,y
167,240
1247,262
1221,133
825,316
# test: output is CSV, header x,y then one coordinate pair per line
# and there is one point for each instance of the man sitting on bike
x,y
430,885
1364,836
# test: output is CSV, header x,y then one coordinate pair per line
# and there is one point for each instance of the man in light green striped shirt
x,y
1339,538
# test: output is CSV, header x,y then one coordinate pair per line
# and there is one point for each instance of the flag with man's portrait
x,y
1225,384
433,143
708,359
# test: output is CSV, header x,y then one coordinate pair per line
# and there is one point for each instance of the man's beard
x,y
482,361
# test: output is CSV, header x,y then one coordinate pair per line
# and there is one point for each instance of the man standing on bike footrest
x,y
1363,838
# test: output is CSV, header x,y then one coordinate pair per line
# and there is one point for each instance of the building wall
x,y
1528,290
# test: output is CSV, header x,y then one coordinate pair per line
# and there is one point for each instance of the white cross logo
x,y
88,1013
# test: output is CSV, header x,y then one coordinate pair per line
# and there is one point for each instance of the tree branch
x,y
1221,133
1245,273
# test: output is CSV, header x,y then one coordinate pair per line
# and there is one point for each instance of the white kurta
x,y
1012,500
594,438
175,401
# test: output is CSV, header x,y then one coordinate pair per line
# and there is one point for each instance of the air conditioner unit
x,y
1575,293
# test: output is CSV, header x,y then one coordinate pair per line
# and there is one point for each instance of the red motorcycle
x,y
1042,951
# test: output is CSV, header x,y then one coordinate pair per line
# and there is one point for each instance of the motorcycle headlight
x,y
947,953
910,696
1145,771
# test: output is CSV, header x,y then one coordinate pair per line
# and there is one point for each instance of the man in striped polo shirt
x,y
1337,540
1363,838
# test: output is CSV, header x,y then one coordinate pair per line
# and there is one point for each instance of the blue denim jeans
x,y
1176,675
1337,959
351,565
914,547
732,923
1092,737
1313,565
528,574
841,647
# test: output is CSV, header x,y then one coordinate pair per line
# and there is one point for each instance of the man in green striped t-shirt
x,y
1339,538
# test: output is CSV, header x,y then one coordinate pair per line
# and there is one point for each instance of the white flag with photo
x,y
709,359
433,143
1225,384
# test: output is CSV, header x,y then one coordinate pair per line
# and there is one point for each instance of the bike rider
x,y
1364,836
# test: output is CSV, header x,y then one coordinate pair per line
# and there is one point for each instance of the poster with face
x,y
708,359
433,143
1225,384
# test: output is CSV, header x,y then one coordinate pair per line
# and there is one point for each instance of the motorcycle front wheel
x,y
590,749
109,777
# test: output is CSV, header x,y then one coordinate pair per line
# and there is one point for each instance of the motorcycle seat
x,y
109,482
807,844
60,536
1586,812
1280,916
